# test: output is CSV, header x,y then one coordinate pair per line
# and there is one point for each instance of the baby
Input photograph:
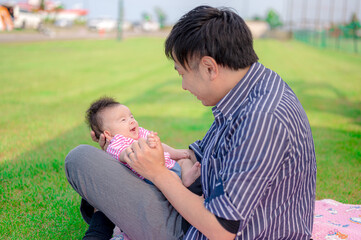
x,y
116,122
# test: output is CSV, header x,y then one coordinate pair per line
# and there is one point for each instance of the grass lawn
x,y
46,88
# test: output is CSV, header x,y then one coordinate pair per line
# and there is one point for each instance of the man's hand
x,y
148,162
102,141
152,140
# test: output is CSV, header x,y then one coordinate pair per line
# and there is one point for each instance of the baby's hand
x,y
152,139
180,154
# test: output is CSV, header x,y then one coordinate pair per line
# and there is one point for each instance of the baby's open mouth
x,y
133,129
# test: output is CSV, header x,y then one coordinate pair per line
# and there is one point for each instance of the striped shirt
x,y
119,143
258,160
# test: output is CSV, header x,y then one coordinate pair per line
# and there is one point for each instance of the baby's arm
x,y
176,154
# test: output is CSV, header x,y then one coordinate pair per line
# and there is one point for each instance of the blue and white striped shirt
x,y
258,160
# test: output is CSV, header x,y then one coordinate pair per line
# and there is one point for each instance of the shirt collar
x,y
231,101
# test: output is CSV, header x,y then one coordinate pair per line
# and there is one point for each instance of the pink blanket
x,y
334,220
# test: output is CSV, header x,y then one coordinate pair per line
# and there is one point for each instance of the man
x,y
258,161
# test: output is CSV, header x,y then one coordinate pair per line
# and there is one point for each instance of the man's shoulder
x,y
266,94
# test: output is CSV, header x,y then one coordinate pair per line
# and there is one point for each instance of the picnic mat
x,y
332,221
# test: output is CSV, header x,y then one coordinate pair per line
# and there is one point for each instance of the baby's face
x,y
119,120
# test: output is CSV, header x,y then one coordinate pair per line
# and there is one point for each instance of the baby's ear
x,y
107,135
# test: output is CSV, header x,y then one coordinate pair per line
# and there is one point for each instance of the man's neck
x,y
228,79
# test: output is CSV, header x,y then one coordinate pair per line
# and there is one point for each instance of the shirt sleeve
x,y
258,147
229,225
197,150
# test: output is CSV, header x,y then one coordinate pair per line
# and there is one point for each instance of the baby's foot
x,y
189,177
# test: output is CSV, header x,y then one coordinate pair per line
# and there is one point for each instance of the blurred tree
x,y
59,8
256,18
146,17
353,26
161,16
335,30
348,30
273,19
42,5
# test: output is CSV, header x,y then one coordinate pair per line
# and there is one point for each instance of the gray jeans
x,y
138,208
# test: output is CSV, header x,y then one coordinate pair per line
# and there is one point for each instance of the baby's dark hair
x,y
92,114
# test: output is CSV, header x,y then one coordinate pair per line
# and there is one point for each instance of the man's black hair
x,y
206,31
92,114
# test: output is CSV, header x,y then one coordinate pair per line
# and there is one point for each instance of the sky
x,y
174,9
133,9
248,9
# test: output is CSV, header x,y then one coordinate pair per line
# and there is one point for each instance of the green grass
x,y
46,88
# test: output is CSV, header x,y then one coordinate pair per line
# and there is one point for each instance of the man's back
x,y
260,159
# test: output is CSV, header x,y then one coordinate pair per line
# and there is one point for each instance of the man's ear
x,y
210,65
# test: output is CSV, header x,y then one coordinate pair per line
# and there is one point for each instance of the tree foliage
x,y
273,19
161,16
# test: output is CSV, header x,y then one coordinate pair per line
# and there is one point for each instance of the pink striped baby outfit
x,y
119,143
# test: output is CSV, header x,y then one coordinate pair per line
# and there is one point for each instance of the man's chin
x,y
208,104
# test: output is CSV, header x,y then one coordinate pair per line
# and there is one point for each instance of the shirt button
x,y
230,118
239,234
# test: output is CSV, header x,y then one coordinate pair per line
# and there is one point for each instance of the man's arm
x,y
191,207
150,163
